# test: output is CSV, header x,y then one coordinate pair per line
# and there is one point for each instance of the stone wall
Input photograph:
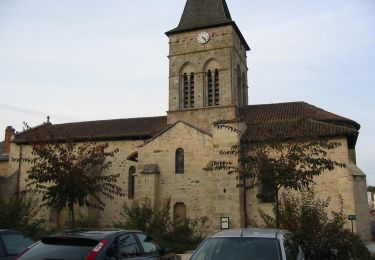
x,y
340,181
227,51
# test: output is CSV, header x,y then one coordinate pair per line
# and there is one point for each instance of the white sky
x,y
79,60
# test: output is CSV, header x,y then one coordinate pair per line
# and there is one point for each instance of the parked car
x,y
249,244
12,242
98,245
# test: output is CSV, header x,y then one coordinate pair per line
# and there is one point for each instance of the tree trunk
x,y
277,209
245,202
71,213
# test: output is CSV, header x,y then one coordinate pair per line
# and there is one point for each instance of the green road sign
x,y
352,217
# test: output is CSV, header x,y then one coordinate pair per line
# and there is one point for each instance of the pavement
x,y
371,247
185,256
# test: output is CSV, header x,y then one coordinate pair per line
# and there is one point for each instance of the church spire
x,y
201,14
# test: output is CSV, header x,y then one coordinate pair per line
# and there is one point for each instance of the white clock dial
x,y
203,37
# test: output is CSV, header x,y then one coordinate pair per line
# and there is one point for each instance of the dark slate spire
x,y
200,14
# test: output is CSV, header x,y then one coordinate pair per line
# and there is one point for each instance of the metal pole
x,y
352,227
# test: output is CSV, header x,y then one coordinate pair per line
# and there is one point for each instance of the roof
x,y
249,232
200,14
116,129
292,120
264,122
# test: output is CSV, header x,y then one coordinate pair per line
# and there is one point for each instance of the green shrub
x,y
147,218
19,213
320,233
157,222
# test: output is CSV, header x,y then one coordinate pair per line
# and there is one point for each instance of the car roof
x,y
92,234
9,231
250,232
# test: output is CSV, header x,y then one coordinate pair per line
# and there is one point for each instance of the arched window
x,y
180,160
188,91
131,182
212,83
179,212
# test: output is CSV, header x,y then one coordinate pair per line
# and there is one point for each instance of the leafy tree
x,y
278,163
67,173
319,231
371,189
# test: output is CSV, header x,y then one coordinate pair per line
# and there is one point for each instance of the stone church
x,y
169,156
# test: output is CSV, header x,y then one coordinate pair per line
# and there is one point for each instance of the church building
x,y
170,156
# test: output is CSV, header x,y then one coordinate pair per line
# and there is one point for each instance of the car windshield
x,y
239,248
15,243
68,249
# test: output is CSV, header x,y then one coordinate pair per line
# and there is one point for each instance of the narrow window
x,y
186,90
217,88
267,193
180,160
210,91
239,89
131,183
192,93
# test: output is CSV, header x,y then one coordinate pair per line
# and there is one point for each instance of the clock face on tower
x,y
203,37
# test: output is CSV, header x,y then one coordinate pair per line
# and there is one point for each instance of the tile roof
x,y
116,129
292,120
264,122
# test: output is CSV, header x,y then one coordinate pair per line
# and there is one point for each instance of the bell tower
x,y
207,65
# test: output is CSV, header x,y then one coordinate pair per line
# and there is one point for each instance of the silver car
x,y
249,244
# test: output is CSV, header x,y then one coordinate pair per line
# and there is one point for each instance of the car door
x,y
296,249
127,247
150,248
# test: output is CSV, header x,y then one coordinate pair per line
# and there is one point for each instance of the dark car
x,y
249,243
12,242
98,245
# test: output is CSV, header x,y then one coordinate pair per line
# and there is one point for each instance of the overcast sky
x,y
79,60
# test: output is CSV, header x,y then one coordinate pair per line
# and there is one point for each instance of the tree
x,y
67,173
278,163
320,231
19,213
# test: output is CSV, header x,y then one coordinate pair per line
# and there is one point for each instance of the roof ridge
x,y
107,120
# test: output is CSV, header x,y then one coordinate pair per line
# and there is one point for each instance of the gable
x,y
180,131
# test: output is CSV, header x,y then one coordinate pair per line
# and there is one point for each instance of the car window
x,y
292,244
127,246
149,245
288,250
238,248
43,251
15,243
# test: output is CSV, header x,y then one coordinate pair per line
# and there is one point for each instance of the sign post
x,y
352,218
